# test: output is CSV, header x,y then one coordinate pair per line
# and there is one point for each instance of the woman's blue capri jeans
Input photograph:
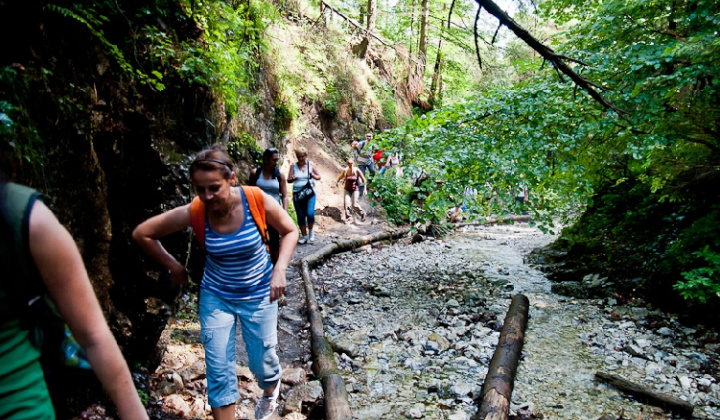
x,y
305,209
258,321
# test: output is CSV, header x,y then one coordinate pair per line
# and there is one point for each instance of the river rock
x,y
372,412
308,393
416,411
293,376
199,408
346,346
193,372
666,332
176,405
442,342
243,373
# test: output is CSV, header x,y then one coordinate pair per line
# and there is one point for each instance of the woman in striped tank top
x,y
239,282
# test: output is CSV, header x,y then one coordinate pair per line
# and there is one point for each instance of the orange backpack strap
x,y
256,203
197,220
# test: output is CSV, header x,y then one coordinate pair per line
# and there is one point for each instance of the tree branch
x,y
475,32
548,54
496,32
364,30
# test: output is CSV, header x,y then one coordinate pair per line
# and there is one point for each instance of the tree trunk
x,y
645,394
422,43
324,366
498,386
412,29
371,17
547,53
436,84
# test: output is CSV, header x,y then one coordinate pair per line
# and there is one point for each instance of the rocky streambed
x,y
414,327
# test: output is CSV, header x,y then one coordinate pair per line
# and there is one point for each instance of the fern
x,y
113,50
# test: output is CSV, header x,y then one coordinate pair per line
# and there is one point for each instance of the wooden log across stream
x,y
324,366
498,386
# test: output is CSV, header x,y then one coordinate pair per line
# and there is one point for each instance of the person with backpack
x,y
239,281
36,249
364,151
352,176
303,175
273,183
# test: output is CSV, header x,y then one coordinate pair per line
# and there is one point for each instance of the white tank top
x,y
302,176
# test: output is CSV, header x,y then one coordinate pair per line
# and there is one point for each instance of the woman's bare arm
x,y
314,173
342,175
283,191
148,232
63,273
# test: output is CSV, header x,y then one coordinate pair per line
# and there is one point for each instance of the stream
x,y
415,326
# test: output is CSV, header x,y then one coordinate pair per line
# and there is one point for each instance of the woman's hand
x,y
179,275
277,284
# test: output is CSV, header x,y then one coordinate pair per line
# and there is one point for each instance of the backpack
x,y
27,294
365,152
258,174
256,203
378,155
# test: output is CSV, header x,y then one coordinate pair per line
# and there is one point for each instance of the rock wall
x,y
109,151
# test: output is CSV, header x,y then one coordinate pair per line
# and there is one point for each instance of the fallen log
x,y
498,386
324,366
647,395
519,218
350,244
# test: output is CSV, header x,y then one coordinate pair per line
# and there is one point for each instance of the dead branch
x,y
368,33
556,59
475,32
646,394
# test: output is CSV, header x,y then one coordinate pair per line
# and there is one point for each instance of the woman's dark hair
x,y
269,152
214,158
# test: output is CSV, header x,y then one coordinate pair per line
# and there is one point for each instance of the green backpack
x,y
26,292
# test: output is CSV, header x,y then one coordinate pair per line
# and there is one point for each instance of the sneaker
x,y
311,237
303,239
265,408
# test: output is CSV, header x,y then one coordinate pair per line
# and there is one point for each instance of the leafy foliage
x,y
660,65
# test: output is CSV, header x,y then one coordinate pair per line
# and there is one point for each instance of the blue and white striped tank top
x,y
237,265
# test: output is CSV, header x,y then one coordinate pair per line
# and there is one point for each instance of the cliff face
x,y
110,149
106,151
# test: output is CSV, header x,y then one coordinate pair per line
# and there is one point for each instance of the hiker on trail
x,y
378,160
239,281
303,175
393,161
352,176
273,183
36,248
454,215
363,151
